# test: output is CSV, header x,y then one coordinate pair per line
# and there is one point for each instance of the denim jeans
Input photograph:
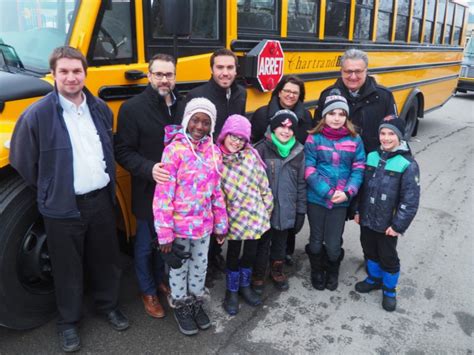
x,y
149,266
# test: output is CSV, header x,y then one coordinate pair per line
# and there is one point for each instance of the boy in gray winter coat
x,y
284,159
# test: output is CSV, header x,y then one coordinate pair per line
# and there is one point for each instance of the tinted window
x,y
113,40
402,20
458,23
337,18
303,16
384,20
416,20
204,20
430,11
440,20
363,19
257,14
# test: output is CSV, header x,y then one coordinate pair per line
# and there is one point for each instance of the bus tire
x,y
26,286
411,119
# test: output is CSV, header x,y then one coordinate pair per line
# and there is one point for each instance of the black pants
x,y
272,244
290,242
248,256
89,244
326,227
215,249
380,248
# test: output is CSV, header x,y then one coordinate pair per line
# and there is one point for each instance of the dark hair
x,y
162,57
293,79
223,52
66,52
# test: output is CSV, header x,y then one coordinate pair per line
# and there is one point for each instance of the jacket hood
x,y
176,133
402,149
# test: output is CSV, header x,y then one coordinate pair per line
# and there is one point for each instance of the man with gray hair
x,y
368,101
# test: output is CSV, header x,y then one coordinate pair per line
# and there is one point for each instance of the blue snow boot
x,y
373,281
249,295
390,281
231,301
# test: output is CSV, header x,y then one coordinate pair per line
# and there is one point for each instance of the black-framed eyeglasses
x,y
237,139
160,76
290,92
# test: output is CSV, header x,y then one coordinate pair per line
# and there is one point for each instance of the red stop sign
x,y
269,65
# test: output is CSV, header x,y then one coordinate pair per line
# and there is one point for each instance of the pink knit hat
x,y
236,125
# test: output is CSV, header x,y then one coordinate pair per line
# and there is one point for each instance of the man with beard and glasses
x,y
139,143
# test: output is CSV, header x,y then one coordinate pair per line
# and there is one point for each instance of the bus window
x,y
440,21
458,22
416,21
257,15
337,18
429,21
112,41
384,20
204,21
449,23
364,19
402,20
302,17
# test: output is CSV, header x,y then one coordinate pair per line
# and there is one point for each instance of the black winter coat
x,y
286,178
261,119
217,95
139,143
41,152
366,111
390,193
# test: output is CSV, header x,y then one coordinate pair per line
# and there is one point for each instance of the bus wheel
x,y
411,119
27,291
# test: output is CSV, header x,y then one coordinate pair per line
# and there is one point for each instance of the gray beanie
x,y
335,102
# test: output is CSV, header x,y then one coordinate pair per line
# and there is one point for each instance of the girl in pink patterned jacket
x,y
189,207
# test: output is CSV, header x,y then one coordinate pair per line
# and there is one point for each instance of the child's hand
x,y
220,238
166,248
357,218
160,174
392,232
338,197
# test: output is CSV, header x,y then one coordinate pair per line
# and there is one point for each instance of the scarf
x,y
284,149
334,134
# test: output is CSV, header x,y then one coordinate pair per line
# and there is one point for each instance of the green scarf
x,y
284,149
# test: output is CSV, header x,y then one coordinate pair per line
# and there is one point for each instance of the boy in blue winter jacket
x,y
388,202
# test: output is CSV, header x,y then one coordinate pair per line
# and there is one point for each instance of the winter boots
x,y
318,272
231,300
280,280
332,274
249,295
184,315
374,279
380,279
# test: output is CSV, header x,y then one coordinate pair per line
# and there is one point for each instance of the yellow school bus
x,y
414,47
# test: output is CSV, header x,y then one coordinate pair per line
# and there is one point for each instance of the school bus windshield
x,y
35,28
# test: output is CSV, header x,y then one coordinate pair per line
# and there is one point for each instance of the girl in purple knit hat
x,y
249,203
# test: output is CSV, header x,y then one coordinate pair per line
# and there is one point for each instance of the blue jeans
x,y
149,266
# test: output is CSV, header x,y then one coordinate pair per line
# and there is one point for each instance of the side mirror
x,y
176,17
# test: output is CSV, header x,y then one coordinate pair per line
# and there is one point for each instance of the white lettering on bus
x,y
270,66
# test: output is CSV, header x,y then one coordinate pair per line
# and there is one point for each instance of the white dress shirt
x,y
88,157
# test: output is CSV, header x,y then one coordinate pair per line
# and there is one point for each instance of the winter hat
x,y
199,104
334,102
236,125
285,118
395,123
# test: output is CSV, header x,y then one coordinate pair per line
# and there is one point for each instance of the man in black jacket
x,y
139,143
229,98
62,147
368,101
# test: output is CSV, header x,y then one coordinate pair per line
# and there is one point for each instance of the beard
x,y
163,90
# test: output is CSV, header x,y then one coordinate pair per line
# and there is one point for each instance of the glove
x,y
299,221
176,257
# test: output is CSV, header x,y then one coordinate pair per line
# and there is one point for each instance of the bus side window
x,y
440,21
429,21
303,16
401,28
449,24
416,21
458,22
112,41
364,17
257,14
384,20
337,18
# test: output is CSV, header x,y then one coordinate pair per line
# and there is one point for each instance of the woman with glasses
x,y
289,94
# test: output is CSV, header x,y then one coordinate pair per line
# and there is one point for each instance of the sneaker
x,y
69,340
184,315
200,317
